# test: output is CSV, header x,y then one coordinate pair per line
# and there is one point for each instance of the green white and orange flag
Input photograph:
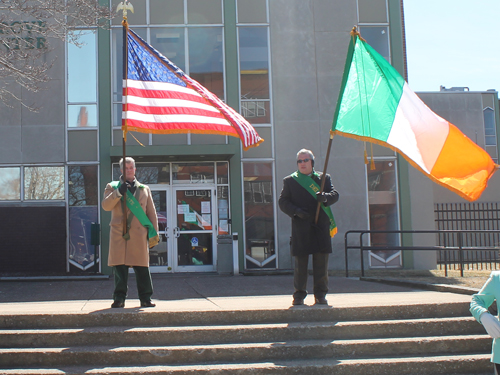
x,y
376,105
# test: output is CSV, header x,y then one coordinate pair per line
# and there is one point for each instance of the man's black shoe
x,y
117,304
320,301
147,304
298,301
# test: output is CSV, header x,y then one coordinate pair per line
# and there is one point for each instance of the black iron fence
x,y
458,251
484,216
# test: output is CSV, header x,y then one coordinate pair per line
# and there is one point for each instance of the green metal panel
x,y
104,89
233,100
177,150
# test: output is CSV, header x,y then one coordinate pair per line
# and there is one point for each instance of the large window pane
x,y
81,251
223,209
259,215
256,111
378,38
372,11
193,173
489,127
10,183
223,172
82,68
204,12
206,58
382,200
82,115
43,183
82,185
166,12
265,149
170,43
83,211
254,62
223,197
252,11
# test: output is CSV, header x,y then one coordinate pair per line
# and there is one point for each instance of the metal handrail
x,y
460,246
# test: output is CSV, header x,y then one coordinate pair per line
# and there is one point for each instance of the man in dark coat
x,y
299,200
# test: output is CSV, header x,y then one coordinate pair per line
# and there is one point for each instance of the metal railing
x,y
459,246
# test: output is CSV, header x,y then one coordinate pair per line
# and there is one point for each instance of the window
x,y
10,183
44,183
252,11
490,136
259,215
383,211
83,211
193,173
254,63
378,38
82,80
206,58
223,196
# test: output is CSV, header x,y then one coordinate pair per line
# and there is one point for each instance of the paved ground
x,y
204,292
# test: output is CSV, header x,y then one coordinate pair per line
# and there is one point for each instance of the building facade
x,y
280,63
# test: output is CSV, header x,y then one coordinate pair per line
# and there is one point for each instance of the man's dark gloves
x,y
123,188
302,214
321,197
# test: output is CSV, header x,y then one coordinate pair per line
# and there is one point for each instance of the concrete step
x,y
111,317
250,333
463,364
435,338
243,352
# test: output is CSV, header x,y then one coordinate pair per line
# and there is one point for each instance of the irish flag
x,y
376,105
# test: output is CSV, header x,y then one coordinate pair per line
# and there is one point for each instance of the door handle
x,y
176,232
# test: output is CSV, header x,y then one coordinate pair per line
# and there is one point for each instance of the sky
x,y
453,43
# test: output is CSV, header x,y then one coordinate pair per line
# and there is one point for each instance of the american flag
x,y
158,97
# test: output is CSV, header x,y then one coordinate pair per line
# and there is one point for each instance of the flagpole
x,y
324,174
125,6
124,141
353,33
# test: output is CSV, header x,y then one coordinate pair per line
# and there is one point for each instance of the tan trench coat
x,y
135,251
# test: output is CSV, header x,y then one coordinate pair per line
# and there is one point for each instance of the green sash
x,y
312,187
136,209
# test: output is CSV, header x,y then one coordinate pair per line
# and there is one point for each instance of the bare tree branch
x,y
27,28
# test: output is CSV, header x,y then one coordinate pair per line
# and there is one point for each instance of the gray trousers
x,y
320,275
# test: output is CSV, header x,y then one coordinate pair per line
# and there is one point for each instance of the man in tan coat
x,y
132,248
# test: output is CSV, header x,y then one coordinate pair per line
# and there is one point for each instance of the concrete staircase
x,y
413,339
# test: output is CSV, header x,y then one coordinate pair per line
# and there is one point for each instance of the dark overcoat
x,y
307,237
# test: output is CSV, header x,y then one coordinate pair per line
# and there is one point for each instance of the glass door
x,y
194,234
160,258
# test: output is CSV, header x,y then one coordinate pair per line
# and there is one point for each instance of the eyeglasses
x,y
303,161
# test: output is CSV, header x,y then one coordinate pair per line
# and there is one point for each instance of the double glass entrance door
x,y
187,230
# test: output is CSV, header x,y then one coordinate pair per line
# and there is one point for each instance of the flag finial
x,y
125,6
355,32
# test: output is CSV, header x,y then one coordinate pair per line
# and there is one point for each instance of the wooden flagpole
x,y
324,174
125,6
